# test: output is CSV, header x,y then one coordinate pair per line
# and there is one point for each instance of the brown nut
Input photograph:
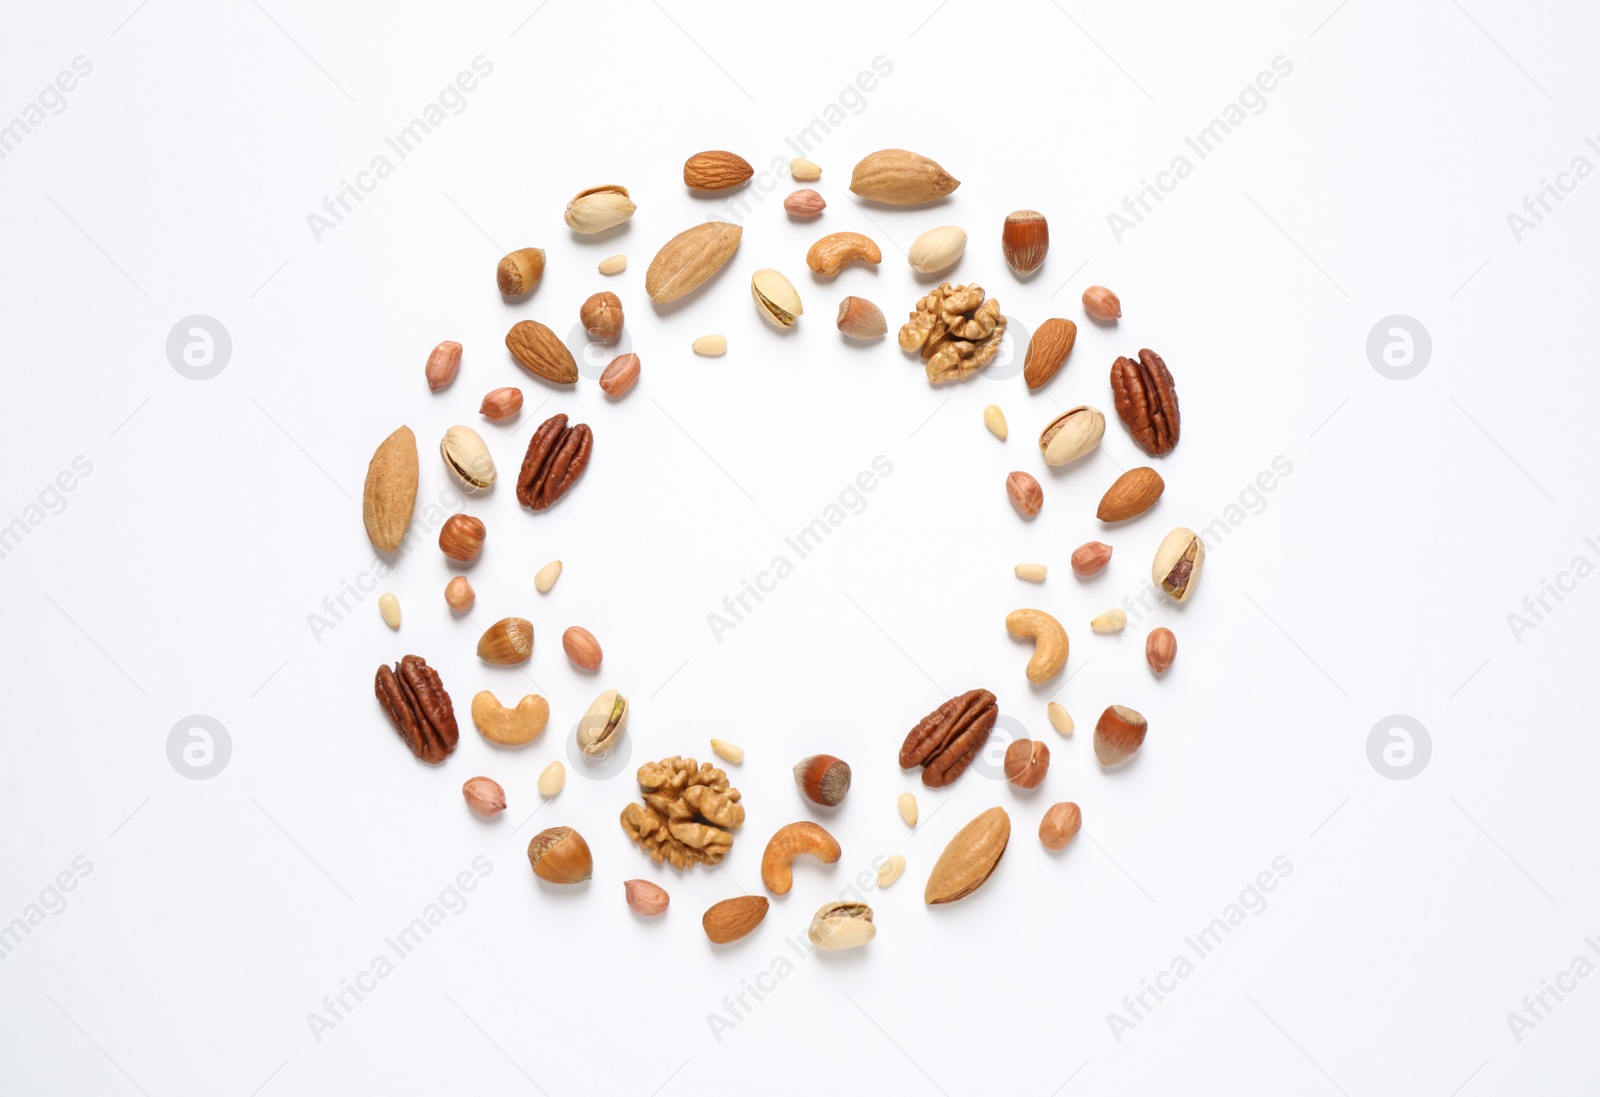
x,y
689,259
1059,825
507,642
1025,240
601,316
418,708
519,272
462,537
510,727
1047,351
560,856
484,796
620,376
731,919
557,455
1026,494
969,859
1090,558
646,898
443,363
541,352
459,595
1160,649
804,203
1133,493
1146,401
790,842
582,648
501,404
833,252
896,177
945,741
823,778
1101,304
861,319
716,170
1118,735
1027,761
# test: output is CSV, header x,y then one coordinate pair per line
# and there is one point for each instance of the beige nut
x,y
891,870
467,457
689,259
907,804
970,858
602,727
790,842
938,249
552,780
1060,718
1031,573
861,319
519,272
389,609
776,298
729,753
841,925
1112,620
599,208
710,346
546,577
506,726
1072,434
1176,569
835,251
896,177
613,264
804,171
995,420
1049,641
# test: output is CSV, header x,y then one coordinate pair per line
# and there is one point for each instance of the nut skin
x,y
861,319
1090,558
646,899
390,493
805,204
970,858
776,298
1118,735
1060,825
1073,434
484,796
938,249
717,170
599,208
841,925
582,648
1131,494
1160,649
443,363
792,841
896,177
1025,240
459,595
467,459
731,919
462,538
1101,304
1026,494
560,856
601,316
1176,568
507,642
519,272
1052,342
837,250
823,779
1026,763
1050,645
501,404
620,376
689,259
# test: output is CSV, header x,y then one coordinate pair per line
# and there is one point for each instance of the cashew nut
x,y
1049,642
829,255
506,726
790,842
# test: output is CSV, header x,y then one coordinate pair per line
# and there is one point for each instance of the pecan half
x,y
949,737
1146,401
419,708
557,456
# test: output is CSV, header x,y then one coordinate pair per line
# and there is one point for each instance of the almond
x,y
541,352
732,919
390,493
685,262
1048,350
716,171
1133,493
969,859
896,177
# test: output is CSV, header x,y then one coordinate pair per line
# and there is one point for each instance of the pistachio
x,y
546,577
937,249
599,208
710,346
467,458
1071,434
842,925
602,726
995,420
776,297
1177,564
389,609
890,870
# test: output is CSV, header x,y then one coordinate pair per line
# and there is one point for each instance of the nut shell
x,y
823,779
841,925
390,492
519,272
776,298
896,177
970,858
1072,434
467,458
1025,241
689,259
1176,568
1118,735
507,642
599,208
603,725
560,856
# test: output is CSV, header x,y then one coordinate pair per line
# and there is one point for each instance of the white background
x,y
1374,579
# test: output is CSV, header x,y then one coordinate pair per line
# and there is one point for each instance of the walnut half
x,y
688,815
957,331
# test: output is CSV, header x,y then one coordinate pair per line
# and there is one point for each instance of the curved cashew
x,y
790,842
1049,641
506,726
830,254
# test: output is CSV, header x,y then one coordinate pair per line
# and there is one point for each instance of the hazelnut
x,y
484,796
1025,240
560,856
1160,649
519,271
462,537
459,595
1118,735
601,316
1101,304
1026,494
582,648
823,779
1060,824
1027,761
